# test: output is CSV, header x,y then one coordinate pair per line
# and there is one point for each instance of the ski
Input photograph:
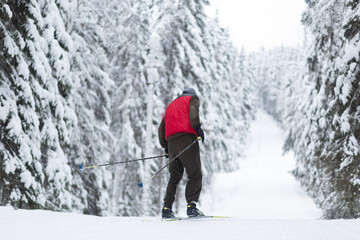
x,y
194,218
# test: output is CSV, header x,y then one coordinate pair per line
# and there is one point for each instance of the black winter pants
x,y
190,160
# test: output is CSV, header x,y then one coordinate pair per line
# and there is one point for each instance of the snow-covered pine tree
x,y
296,96
130,60
342,159
155,105
92,142
312,144
278,72
55,100
36,115
244,85
227,108
271,85
326,143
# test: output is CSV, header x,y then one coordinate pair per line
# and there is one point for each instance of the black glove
x,y
200,133
166,152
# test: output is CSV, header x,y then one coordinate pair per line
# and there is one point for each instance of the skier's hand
x,y
166,152
200,133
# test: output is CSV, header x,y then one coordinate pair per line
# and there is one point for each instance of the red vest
x,y
177,117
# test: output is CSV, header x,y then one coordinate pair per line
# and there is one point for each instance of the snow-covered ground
x,y
46,225
265,200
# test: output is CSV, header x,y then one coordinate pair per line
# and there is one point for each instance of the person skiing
x,y
180,127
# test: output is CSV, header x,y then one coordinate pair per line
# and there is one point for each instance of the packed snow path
x,y
262,188
45,225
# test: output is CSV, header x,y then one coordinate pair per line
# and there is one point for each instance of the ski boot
x,y
166,211
192,211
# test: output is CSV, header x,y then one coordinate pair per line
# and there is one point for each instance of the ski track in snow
x,y
265,200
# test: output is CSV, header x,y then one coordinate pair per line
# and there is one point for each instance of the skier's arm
x,y
194,112
161,134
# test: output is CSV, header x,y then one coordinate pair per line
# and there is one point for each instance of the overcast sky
x,y
256,23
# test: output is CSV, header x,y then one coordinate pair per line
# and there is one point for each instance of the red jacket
x,y
177,117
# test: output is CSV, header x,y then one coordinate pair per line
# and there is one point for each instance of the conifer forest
x,y
87,82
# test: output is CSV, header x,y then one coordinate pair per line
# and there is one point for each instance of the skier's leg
x,y
176,170
192,164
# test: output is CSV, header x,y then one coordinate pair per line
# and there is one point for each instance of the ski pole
x,y
141,184
108,164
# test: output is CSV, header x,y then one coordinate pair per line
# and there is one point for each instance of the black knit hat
x,y
189,92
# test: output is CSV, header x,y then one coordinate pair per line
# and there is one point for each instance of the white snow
x,y
23,69
44,225
11,46
14,126
4,104
10,166
351,49
322,122
26,178
8,10
356,182
345,127
15,194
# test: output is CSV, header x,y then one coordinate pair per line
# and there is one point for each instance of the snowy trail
x,y
45,225
262,188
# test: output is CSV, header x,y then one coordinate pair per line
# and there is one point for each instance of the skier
x,y
180,127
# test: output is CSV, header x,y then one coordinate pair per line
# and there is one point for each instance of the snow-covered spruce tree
x,y
36,120
271,87
129,57
312,144
246,85
326,143
92,142
279,73
55,101
343,153
295,98
228,105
